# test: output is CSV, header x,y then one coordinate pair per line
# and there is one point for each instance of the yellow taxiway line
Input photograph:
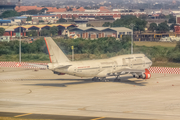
x,y
22,115
98,118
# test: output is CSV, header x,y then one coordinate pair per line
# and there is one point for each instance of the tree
x,y
43,10
107,24
29,18
143,16
54,30
172,19
61,20
9,13
163,27
2,30
41,20
89,25
162,16
152,27
172,26
32,33
45,32
125,21
31,12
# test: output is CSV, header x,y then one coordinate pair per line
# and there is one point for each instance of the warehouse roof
x,y
118,29
5,21
11,28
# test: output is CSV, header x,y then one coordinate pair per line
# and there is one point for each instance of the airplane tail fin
x,y
55,53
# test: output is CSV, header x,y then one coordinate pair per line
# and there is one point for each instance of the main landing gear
x,y
117,79
96,79
103,79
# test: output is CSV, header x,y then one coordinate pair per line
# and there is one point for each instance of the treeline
x,y
159,53
128,21
102,46
99,46
139,24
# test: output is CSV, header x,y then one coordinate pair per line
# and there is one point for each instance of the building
x,y
99,32
49,9
7,22
49,18
6,7
13,31
177,19
81,13
81,23
13,21
4,38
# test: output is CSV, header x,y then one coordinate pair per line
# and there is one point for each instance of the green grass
x,y
166,64
44,58
150,44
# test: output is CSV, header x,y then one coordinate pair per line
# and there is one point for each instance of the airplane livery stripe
x,y
48,50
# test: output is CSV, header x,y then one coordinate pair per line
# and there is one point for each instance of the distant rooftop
x,y
5,21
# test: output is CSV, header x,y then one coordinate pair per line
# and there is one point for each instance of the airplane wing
x,y
132,70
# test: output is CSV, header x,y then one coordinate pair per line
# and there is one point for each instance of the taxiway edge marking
x,y
98,118
22,115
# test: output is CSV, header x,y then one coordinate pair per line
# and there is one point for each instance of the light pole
x,y
19,42
72,47
132,26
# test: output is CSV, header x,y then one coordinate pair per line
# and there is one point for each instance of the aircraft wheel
x,y
119,80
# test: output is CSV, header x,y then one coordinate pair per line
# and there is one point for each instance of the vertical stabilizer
x,y
55,53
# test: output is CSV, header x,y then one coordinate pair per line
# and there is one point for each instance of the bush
x,y
32,33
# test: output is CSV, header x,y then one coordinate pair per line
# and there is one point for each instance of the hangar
x,y
99,32
14,30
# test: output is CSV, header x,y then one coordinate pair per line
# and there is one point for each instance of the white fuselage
x,y
106,67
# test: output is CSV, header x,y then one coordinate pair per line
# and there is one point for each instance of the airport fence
x,y
166,70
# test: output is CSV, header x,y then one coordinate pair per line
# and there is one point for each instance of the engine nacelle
x,y
135,76
145,76
58,73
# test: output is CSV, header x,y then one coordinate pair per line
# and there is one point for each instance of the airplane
x,y
135,64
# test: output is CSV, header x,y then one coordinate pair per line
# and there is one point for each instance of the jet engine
x,y
145,75
58,73
135,75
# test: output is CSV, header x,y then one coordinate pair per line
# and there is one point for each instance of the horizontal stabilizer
x,y
61,66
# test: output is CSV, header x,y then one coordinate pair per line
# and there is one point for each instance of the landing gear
x,y
117,79
96,79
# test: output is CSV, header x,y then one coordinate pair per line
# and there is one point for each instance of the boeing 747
x,y
135,64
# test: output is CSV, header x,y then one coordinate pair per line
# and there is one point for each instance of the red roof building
x,y
81,9
50,9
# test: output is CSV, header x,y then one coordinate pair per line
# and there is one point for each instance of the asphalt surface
x,y
57,117
26,93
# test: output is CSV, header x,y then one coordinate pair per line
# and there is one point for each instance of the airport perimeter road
x,y
24,91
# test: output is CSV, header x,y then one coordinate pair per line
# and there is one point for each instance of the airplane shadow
x,y
124,80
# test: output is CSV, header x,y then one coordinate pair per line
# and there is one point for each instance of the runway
x,y
42,93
